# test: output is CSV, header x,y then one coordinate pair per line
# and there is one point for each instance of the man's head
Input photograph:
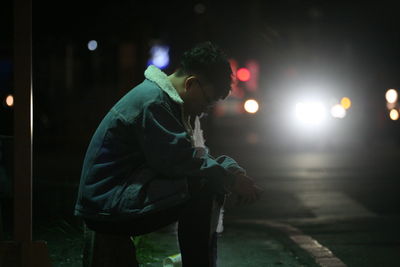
x,y
204,76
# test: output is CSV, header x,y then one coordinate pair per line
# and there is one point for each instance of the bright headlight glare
x,y
311,112
338,111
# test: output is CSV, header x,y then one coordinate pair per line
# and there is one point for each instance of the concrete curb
x,y
322,255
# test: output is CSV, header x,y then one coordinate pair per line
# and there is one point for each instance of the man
x,y
143,170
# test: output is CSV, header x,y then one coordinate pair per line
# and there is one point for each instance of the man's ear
x,y
189,81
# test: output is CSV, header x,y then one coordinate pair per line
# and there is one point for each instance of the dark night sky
x,y
330,30
354,42
367,30
369,27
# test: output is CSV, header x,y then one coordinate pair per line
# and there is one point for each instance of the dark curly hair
x,y
210,63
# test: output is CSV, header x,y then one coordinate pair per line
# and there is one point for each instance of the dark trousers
x,y
197,241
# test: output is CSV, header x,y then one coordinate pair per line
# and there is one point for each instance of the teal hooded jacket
x,y
142,155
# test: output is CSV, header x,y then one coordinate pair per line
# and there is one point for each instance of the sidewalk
x,y
241,244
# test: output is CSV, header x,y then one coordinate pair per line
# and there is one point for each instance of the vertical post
x,y
30,254
23,121
23,252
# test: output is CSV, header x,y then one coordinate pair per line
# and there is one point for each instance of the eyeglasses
x,y
208,99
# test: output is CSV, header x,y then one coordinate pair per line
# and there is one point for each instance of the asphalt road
x,y
346,200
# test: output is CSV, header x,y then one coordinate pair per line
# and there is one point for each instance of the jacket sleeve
x,y
168,150
226,162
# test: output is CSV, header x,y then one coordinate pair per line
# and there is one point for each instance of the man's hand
x,y
246,189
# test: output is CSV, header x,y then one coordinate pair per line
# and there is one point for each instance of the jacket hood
x,y
155,75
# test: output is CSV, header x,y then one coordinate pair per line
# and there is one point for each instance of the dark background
x,y
353,47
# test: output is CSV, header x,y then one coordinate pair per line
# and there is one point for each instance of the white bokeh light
x,y
391,96
9,100
394,115
251,106
338,111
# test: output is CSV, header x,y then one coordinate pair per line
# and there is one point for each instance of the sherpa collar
x,y
154,74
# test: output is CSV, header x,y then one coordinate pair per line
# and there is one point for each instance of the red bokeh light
x,y
243,74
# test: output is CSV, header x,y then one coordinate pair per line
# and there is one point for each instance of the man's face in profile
x,y
199,97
